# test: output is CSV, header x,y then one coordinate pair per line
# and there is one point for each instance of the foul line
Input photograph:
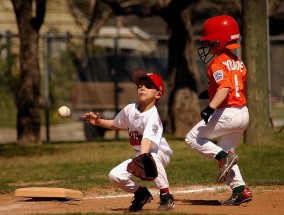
x,y
197,190
11,207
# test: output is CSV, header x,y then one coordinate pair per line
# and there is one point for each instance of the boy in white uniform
x,y
145,129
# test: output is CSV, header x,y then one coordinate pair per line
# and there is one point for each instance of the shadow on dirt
x,y
200,202
49,199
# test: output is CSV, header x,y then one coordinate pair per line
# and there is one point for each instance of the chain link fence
x,y
276,82
94,74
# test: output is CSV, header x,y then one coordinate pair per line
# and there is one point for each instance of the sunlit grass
x,y
85,165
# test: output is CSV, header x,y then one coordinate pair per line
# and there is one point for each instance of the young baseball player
x,y
226,117
145,129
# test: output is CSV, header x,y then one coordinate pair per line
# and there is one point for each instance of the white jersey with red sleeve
x,y
142,125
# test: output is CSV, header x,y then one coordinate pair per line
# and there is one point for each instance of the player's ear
x,y
158,95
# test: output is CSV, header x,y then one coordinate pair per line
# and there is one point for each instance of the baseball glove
x,y
204,95
143,167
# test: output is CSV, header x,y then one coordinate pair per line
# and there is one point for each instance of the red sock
x,y
165,190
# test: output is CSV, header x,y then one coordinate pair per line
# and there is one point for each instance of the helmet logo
x,y
235,36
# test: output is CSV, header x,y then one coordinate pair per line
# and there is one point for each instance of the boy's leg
x,y
121,178
233,178
166,198
228,143
227,123
141,197
198,138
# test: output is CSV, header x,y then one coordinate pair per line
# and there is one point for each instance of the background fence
x,y
94,74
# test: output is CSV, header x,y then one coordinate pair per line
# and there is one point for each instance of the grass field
x,y
84,165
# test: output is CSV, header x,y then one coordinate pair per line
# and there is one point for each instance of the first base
x,y
48,192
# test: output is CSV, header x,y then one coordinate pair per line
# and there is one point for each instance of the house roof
x,y
132,38
59,20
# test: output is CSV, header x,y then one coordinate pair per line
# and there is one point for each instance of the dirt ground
x,y
191,200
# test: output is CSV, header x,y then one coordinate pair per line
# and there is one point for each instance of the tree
x,y
89,15
255,39
182,70
181,17
28,92
183,75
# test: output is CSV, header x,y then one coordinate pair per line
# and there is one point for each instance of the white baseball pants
x,y
120,177
226,125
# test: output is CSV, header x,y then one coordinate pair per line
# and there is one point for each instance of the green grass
x,y
8,110
277,112
85,165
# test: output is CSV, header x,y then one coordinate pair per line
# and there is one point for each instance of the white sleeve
x,y
153,131
120,120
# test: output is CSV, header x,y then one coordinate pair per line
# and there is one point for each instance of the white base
x,y
48,192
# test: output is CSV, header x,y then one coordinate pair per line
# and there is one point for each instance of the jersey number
x,y
237,85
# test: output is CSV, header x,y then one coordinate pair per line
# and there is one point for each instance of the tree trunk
x,y
184,107
255,57
28,94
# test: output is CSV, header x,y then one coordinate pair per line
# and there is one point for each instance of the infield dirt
x,y
190,200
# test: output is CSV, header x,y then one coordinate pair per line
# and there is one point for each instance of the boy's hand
x,y
206,113
92,118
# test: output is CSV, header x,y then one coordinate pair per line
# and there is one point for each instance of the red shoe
x,y
239,198
225,165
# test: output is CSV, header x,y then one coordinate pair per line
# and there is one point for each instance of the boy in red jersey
x,y
226,117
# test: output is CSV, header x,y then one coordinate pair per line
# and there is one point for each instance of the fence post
x,y
114,72
46,85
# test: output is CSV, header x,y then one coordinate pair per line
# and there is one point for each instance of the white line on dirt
x,y
186,190
10,207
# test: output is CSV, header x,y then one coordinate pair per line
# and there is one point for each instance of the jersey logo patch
x,y
155,129
218,75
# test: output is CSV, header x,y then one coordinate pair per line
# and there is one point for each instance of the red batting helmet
x,y
219,33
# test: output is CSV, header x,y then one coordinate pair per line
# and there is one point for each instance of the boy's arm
x,y
95,119
219,97
145,145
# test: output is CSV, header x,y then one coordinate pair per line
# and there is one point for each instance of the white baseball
x,y
64,111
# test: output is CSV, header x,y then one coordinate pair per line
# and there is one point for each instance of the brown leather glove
x,y
143,167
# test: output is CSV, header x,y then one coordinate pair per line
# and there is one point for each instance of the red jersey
x,y
227,71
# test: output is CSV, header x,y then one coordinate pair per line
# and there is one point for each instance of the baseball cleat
x,y
140,199
166,202
239,198
225,165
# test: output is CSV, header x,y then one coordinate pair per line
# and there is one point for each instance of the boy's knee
x,y
112,177
190,139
